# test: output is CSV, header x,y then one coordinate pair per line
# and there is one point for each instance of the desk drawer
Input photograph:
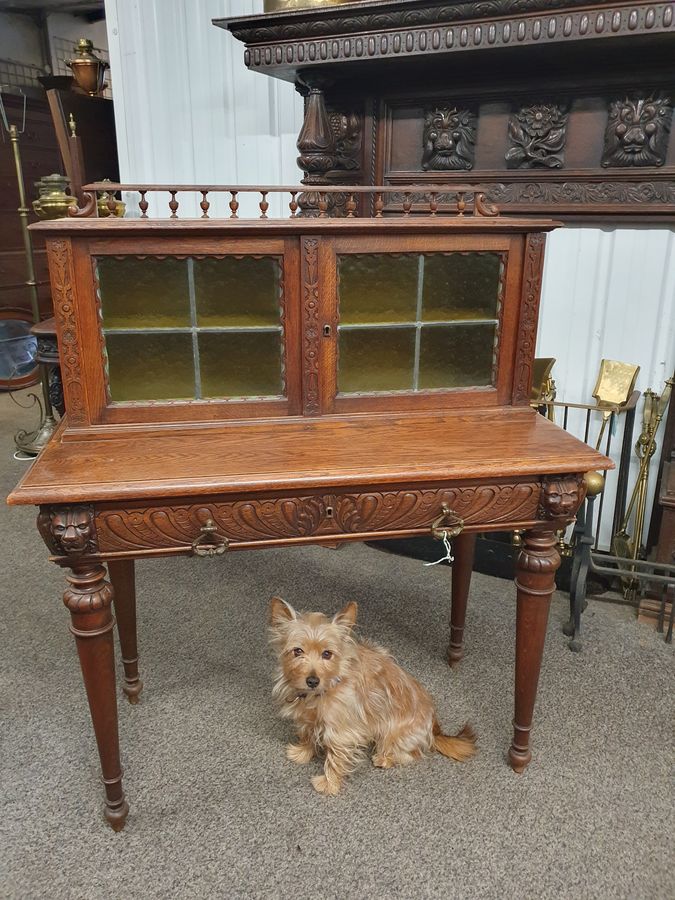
x,y
314,517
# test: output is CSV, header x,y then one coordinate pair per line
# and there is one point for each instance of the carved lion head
x,y
449,137
637,132
72,530
560,497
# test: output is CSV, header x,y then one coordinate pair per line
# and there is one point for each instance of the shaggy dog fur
x,y
346,697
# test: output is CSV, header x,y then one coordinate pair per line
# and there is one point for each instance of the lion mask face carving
x,y
449,136
560,499
72,529
637,132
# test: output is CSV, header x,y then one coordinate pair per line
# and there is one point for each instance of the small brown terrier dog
x,y
346,696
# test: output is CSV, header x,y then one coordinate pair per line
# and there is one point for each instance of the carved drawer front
x,y
312,516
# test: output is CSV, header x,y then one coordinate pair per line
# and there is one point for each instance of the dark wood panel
x,y
550,106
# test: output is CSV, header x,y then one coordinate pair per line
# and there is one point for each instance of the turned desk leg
x,y
535,580
89,597
124,586
462,567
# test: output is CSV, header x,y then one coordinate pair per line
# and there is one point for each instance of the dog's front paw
x,y
321,784
382,761
300,753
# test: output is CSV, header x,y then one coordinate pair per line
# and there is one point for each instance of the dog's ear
x,y
281,612
346,616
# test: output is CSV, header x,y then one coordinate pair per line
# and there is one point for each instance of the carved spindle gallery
x,y
234,205
407,203
350,206
433,203
143,205
379,204
293,205
461,203
204,205
264,205
173,205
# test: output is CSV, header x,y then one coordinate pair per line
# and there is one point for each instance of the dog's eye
x,y
327,654
297,651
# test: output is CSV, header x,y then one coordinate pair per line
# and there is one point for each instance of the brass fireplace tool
x,y
623,544
31,442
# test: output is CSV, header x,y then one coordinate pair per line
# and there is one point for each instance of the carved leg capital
x,y
535,581
88,598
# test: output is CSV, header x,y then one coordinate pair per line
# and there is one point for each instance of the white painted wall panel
x,y
608,293
187,110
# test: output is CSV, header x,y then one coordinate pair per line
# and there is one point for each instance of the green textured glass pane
x,y
237,292
150,366
143,293
241,364
460,286
376,359
378,287
456,356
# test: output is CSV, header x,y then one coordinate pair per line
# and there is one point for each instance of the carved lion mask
x,y
561,498
637,132
449,136
72,529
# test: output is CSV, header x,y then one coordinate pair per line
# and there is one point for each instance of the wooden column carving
x,y
88,598
535,581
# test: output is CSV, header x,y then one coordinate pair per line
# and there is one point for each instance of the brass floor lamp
x,y
29,442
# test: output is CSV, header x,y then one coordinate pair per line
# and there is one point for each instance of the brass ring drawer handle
x,y
209,542
447,525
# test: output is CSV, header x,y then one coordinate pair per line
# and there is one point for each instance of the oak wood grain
x,y
299,453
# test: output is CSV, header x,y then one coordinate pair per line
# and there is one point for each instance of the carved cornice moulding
x,y
307,39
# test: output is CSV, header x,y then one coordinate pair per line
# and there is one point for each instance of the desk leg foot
x,y
462,567
124,585
535,581
89,598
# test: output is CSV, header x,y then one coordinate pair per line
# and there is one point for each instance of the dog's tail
x,y
460,747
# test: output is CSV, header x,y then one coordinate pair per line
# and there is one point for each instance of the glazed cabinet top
x,y
219,356
164,323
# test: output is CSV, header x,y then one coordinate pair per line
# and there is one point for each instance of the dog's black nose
x,y
312,681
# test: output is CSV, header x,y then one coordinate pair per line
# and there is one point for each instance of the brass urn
x,y
108,205
88,70
52,201
277,5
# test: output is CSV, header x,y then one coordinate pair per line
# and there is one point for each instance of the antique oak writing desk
x,y
254,382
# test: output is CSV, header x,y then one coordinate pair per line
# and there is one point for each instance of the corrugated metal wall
x,y
187,110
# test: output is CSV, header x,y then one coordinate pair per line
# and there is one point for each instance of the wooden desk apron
x,y
213,525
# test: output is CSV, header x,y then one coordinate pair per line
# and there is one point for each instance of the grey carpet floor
x,y
217,810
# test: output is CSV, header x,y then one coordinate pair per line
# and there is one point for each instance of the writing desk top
x,y
304,454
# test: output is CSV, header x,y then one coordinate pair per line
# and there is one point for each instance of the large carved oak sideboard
x,y
238,383
557,107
